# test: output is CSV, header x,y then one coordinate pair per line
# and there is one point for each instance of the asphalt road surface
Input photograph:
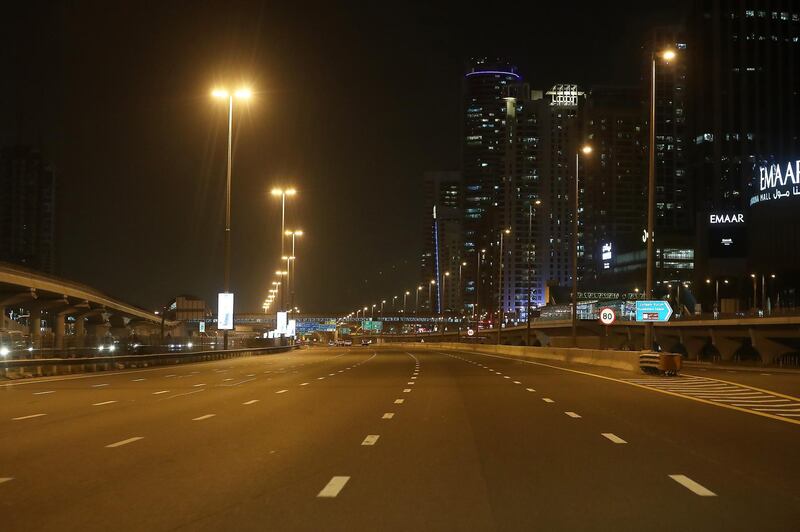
x,y
367,438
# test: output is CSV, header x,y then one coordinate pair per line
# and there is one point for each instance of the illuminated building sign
x,y
564,95
728,218
778,181
727,235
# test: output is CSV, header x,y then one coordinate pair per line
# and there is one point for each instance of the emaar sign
x,y
778,181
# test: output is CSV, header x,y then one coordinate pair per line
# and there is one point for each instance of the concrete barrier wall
x,y
625,360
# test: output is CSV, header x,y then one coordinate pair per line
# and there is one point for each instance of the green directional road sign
x,y
370,325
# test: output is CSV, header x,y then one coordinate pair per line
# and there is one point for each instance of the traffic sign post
x,y
470,332
653,311
607,315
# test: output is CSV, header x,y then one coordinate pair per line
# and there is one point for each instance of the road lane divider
x,y
201,418
333,487
124,442
691,485
31,416
371,439
613,437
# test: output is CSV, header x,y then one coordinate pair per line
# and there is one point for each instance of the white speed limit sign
x,y
470,332
607,316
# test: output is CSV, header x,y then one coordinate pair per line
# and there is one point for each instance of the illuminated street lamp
x,y
283,192
480,256
416,303
430,297
405,296
394,303
460,287
292,276
667,56
585,150
223,94
383,302
372,313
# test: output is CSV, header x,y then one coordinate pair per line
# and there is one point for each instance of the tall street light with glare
x,y
293,273
224,94
666,56
283,192
585,150
416,303
405,297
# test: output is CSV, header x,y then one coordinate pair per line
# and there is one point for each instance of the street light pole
x,y
476,309
405,296
500,310
586,150
651,191
243,94
283,193
530,269
430,294
416,303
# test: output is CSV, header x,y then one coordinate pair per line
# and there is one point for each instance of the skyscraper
x,y
443,237
27,209
484,88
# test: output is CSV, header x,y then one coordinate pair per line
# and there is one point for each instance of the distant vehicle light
x,y
100,348
30,349
4,351
189,345
112,348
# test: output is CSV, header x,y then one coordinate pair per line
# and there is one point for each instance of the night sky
x,y
353,103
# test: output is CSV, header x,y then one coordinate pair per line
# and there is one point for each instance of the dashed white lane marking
x,y
371,439
613,437
124,442
5,479
399,401
44,393
547,400
320,378
228,379
331,374
200,390
103,403
138,380
170,375
201,418
333,487
201,384
160,392
410,382
414,377
99,385
572,414
238,383
506,377
250,375
282,391
250,402
692,486
530,389
304,384
517,382
388,415
27,417
406,390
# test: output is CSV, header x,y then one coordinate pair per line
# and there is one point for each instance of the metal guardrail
x,y
25,367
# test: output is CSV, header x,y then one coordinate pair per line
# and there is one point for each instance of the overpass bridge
x,y
74,313
765,340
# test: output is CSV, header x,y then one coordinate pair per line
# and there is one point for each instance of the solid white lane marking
x,y
103,403
99,385
138,380
5,479
333,487
530,389
304,384
44,393
388,415
547,400
399,401
282,391
160,392
124,442
250,402
692,486
27,417
613,437
201,384
201,418
371,439
572,414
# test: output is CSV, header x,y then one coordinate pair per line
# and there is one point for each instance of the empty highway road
x,y
385,438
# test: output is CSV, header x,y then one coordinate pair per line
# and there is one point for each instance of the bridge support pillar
x,y
768,349
725,346
35,326
59,329
80,331
2,317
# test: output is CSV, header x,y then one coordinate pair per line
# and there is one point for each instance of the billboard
x,y
727,235
776,182
225,311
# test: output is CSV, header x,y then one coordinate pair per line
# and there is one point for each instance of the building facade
x,y
27,209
